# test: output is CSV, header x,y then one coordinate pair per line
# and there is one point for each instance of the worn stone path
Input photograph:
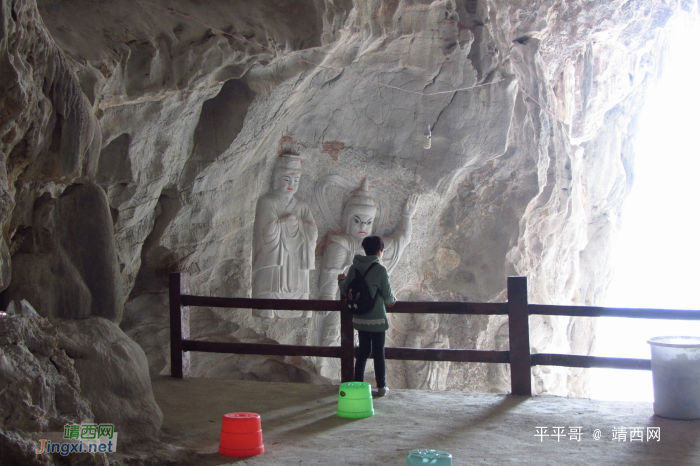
x,y
300,426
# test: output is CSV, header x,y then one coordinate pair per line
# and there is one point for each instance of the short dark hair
x,y
372,245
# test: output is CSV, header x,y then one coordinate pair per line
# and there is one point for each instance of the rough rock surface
x,y
48,130
72,372
39,377
39,389
527,173
113,375
68,263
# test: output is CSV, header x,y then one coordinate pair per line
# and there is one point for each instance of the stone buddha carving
x,y
426,375
359,220
284,241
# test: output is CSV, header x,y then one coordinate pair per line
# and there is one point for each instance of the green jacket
x,y
377,280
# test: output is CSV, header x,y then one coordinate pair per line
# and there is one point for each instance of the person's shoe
x,y
381,391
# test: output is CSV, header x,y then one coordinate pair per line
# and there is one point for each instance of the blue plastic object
x,y
355,400
425,456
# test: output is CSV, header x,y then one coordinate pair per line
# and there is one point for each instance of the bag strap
x,y
366,272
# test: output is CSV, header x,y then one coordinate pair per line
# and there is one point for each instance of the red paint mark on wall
x,y
288,145
333,148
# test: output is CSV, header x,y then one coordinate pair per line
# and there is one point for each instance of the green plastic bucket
x,y
425,456
355,400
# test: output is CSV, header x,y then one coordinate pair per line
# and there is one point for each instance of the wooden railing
x,y
517,309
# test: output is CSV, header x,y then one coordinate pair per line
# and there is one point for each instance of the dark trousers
x,y
371,342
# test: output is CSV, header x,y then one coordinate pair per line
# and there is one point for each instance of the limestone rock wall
x,y
177,110
68,262
59,372
44,386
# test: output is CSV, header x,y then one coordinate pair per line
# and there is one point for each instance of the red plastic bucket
x,y
241,435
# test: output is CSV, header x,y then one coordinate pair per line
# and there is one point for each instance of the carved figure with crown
x,y
284,241
359,221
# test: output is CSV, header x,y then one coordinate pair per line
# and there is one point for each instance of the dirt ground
x,y
300,426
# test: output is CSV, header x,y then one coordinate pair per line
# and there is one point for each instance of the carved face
x,y
286,182
426,323
360,224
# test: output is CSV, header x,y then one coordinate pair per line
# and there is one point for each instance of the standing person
x,y
372,326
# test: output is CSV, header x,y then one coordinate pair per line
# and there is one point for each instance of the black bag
x,y
360,299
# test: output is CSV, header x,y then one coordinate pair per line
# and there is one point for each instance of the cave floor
x,y
300,426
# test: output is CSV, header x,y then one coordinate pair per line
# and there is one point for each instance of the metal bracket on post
x,y
347,344
179,284
519,337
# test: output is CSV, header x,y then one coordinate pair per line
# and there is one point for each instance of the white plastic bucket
x,y
675,369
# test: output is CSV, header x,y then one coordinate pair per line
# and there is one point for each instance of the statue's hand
x,y
411,205
291,220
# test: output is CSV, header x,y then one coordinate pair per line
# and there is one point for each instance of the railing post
x,y
519,337
179,325
347,344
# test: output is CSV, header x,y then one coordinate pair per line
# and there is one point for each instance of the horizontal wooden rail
x,y
575,360
406,354
591,311
404,307
260,348
454,355
251,303
448,307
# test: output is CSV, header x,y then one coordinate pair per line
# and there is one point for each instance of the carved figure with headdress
x,y
359,221
284,240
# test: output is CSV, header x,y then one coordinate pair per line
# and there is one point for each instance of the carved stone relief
x,y
284,241
362,216
425,333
